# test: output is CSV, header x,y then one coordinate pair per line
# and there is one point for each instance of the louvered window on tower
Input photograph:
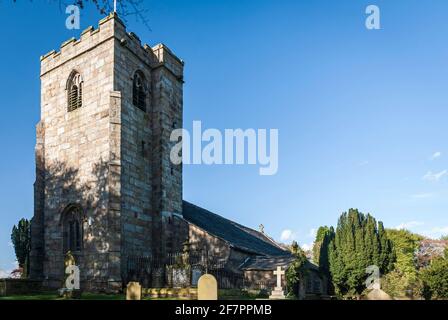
x,y
74,91
139,91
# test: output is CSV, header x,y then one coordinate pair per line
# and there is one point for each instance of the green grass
x,y
85,296
55,296
40,296
224,295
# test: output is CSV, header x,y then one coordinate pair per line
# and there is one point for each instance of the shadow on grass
x,y
55,296
94,296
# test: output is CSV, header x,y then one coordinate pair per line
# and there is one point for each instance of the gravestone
x,y
158,277
207,288
278,293
196,273
181,277
71,284
378,294
134,291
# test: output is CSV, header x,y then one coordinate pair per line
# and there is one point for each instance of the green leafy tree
x,y
395,283
296,270
398,285
21,239
435,278
405,244
359,241
324,237
403,281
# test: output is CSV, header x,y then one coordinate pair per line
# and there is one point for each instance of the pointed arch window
x,y
139,90
74,91
72,229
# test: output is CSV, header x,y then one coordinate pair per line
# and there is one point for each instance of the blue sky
x,y
362,115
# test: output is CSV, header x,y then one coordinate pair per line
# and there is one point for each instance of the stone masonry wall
x,y
151,186
108,157
201,240
166,115
77,154
136,175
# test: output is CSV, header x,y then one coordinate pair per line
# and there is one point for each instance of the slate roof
x,y
266,262
269,263
236,235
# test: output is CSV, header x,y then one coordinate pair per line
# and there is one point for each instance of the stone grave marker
x,y
134,291
378,294
196,273
207,288
157,277
278,293
181,277
71,284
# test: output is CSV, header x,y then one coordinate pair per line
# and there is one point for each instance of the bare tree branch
x,y
125,8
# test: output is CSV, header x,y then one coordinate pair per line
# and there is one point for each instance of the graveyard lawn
x,y
51,295
54,296
92,296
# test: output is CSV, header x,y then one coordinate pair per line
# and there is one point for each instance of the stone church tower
x,y
105,186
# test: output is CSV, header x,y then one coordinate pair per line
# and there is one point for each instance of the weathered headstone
x,y
71,285
378,294
207,288
158,277
181,277
196,273
134,291
278,293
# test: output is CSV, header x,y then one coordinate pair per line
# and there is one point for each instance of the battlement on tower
x,y
112,28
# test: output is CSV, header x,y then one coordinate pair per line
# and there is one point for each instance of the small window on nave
x,y
139,91
74,91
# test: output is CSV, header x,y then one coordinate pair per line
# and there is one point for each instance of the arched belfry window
x,y
139,91
72,226
74,91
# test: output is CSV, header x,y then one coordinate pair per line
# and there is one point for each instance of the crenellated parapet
x,y
111,28
169,60
74,48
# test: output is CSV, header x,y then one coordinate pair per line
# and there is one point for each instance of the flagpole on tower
x,y
115,6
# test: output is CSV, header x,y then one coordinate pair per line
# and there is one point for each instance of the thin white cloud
x,y
312,233
436,155
436,232
408,225
422,195
4,274
307,246
287,235
363,163
430,176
